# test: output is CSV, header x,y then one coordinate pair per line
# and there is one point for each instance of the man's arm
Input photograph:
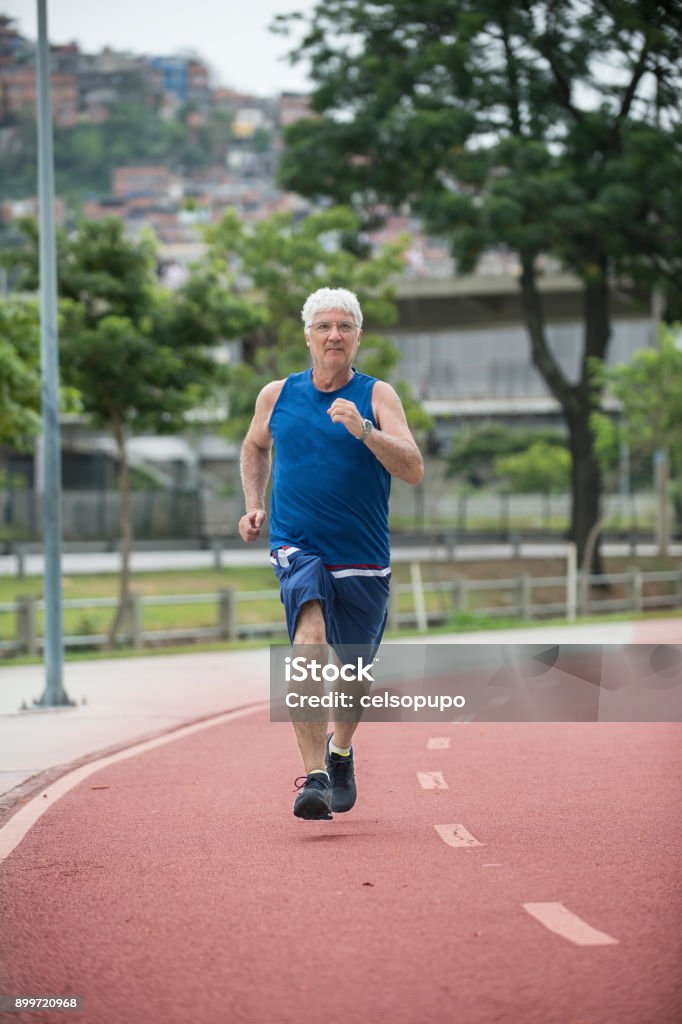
x,y
392,443
256,462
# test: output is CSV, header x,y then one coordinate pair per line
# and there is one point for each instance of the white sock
x,y
319,771
343,751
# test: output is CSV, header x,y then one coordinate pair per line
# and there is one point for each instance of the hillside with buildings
x,y
152,139
149,138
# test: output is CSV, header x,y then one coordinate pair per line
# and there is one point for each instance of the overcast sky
x,y
231,35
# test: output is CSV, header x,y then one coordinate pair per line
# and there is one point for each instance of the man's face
x,y
333,339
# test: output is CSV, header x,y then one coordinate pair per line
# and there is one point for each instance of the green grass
x,y
86,621
210,581
467,623
187,581
456,624
189,616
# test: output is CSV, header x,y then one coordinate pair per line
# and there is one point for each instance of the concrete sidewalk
x,y
117,701
122,700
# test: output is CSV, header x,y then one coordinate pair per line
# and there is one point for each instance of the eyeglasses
x,y
324,327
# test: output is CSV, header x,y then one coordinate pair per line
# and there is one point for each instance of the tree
x,y
280,261
649,391
139,356
19,372
549,128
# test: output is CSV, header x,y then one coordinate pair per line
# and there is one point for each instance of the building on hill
x,y
464,344
14,48
19,94
291,107
184,77
155,178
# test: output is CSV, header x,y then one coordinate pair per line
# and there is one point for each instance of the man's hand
x,y
343,411
250,524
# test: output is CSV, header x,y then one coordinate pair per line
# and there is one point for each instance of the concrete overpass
x,y
465,348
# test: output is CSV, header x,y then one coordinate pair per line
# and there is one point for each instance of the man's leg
x,y
342,735
314,800
339,759
311,735
346,724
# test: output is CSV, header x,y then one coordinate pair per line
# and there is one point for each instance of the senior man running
x,y
339,436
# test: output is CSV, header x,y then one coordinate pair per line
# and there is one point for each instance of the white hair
x,y
331,298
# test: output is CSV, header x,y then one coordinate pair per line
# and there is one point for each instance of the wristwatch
x,y
367,428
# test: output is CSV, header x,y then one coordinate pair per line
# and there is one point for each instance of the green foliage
x,y
492,119
139,356
124,377
649,390
280,261
19,372
607,438
542,468
133,133
476,452
98,268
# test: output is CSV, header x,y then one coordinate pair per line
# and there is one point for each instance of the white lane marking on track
x,y
456,835
438,743
564,922
432,780
19,824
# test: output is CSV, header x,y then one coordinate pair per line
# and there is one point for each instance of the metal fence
x,y
420,604
441,503
435,504
96,515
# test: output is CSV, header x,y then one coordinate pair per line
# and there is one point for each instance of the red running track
x,y
185,891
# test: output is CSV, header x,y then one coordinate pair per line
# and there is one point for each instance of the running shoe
x,y
342,774
314,798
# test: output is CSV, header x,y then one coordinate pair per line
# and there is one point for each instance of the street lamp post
x,y
54,693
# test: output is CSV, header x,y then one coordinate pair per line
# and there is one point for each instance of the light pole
x,y
54,692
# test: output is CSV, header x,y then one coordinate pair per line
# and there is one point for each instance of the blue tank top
x,y
329,491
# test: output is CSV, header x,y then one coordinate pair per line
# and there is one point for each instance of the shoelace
x,y
300,782
342,768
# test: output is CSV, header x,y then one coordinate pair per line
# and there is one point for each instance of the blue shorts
x,y
354,600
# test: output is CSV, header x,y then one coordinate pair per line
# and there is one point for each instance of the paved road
x,y
492,874
74,563
121,700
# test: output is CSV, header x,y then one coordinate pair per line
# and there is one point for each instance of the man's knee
x,y
310,647
310,627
